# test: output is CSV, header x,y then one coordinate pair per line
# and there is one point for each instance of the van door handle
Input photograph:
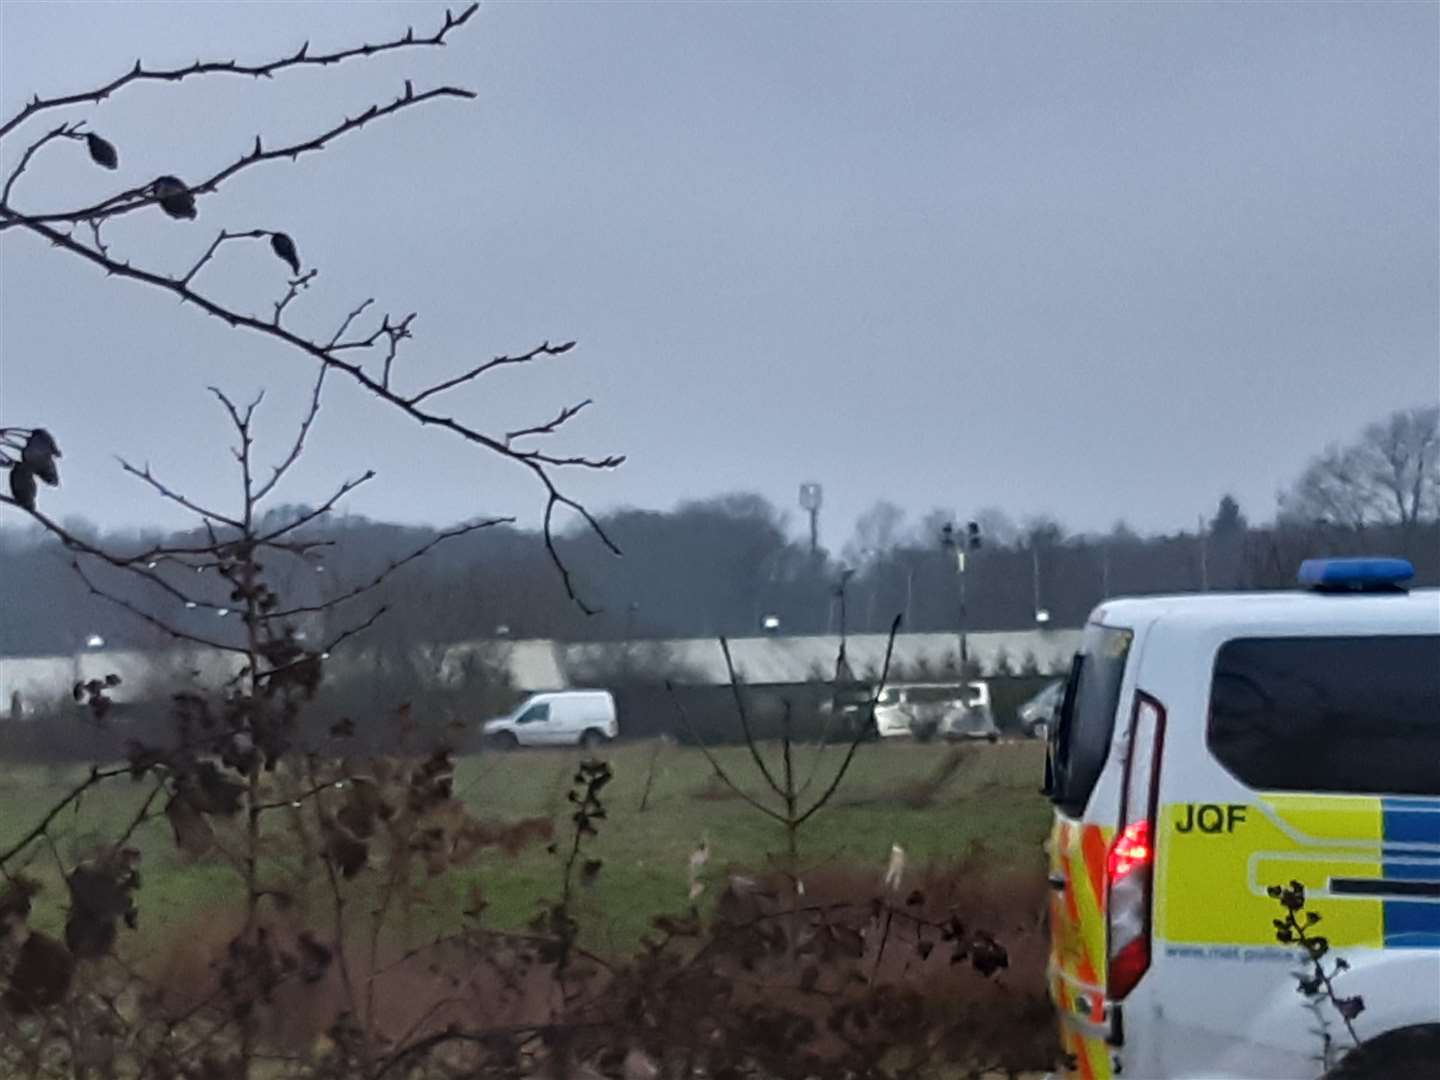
x,y
1057,882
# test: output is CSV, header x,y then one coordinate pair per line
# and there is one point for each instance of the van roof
x,y
1417,611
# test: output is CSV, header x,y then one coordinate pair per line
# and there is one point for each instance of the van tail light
x,y
1130,863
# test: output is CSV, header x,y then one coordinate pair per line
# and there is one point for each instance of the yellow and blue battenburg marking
x,y
1375,860
1410,882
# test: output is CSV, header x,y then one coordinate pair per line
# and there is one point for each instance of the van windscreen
x,y
1343,714
1082,737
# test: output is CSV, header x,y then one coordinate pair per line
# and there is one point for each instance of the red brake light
x,y
1130,862
1130,852
1126,967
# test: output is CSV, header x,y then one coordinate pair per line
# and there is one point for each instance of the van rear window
x,y
1342,714
1087,718
933,695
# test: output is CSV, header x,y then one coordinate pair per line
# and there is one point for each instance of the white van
x,y
560,718
1209,749
949,710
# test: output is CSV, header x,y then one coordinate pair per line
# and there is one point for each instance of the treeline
x,y
735,565
717,566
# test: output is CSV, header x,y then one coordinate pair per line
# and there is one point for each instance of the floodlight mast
x,y
812,496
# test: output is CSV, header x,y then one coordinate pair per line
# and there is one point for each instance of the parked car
x,y
927,710
561,718
1037,715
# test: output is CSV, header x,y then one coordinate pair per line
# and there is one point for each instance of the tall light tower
x,y
957,547
811,498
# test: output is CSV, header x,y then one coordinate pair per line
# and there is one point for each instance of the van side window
x,y
536,714
1087,717
1343,714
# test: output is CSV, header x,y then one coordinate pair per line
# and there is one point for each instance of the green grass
x,y
988,809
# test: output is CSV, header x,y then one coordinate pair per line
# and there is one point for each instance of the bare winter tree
x,y
361,350
238,755
1389,475
877,533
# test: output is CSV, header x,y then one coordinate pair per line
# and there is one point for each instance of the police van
x,y
1210,748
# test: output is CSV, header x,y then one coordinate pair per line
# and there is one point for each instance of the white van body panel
x,y
1225,1012
559,718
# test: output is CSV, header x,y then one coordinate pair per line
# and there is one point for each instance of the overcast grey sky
x,y
1092,260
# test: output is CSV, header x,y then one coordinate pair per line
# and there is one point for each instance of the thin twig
x,y
139,73
252,234
320,511
379,579
715,762
568,413
543,349
141,816
299,444
97,775
64,131
158,553
159,624
861,733
350,318
745,721
174,496
297,285
133,199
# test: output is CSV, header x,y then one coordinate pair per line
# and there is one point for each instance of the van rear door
x,y
1084,825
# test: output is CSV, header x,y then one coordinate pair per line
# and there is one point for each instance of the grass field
x,y
985,809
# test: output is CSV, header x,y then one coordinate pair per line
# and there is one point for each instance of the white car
x,y
561,718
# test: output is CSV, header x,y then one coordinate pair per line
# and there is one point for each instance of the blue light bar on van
x,y
1356,575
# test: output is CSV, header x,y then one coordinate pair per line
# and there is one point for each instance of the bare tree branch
x,y
380,578
568,413
715,762
133,199
97,775
299,444
145,616
146,560
252,234
543,349
139,73
745,721
318,511
297,285
862,730
390,333
325,651
538,463
344,326
64,131
174,496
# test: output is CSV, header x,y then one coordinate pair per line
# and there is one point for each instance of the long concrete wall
x,y
547,665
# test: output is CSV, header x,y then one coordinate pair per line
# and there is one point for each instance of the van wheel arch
x,y
593,737
1403,1052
